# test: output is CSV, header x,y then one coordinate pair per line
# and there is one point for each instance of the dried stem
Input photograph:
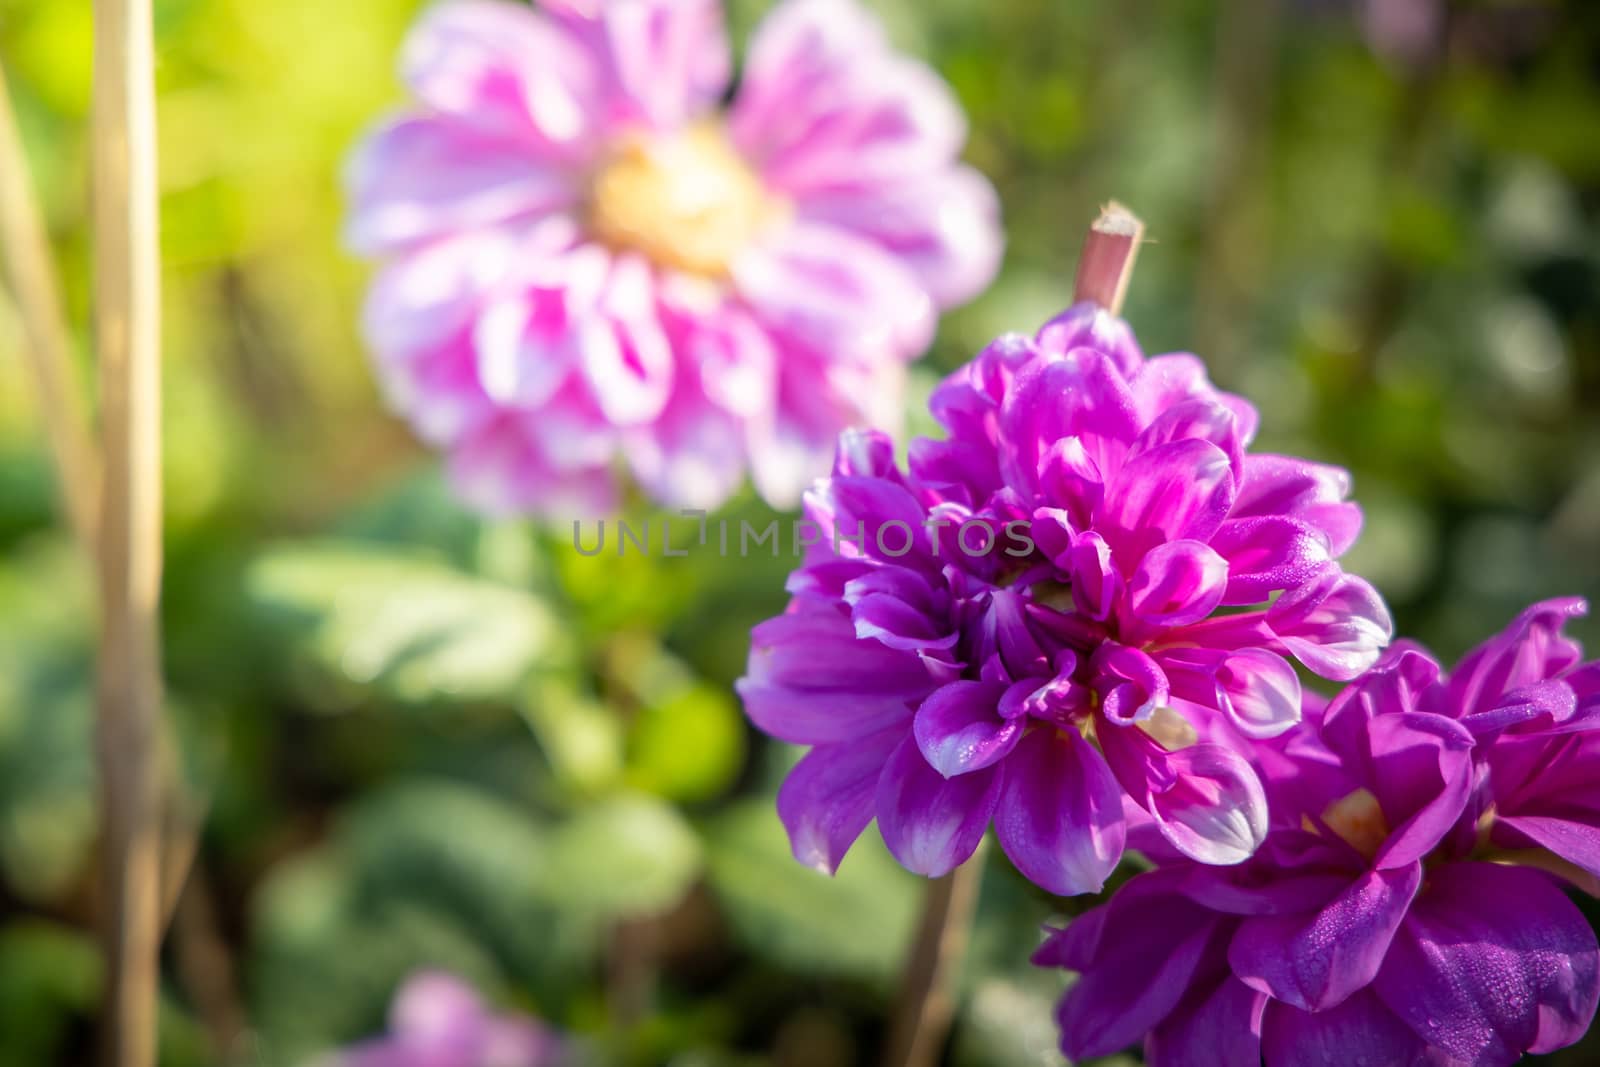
x,y
1109,250
127,335
25,252
927,1004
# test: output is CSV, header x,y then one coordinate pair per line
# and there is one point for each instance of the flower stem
x,y
1106,265
47,345
927,1004
127,337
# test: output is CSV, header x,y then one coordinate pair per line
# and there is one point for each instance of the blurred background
x,y
417,738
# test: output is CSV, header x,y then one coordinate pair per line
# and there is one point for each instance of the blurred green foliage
x,y
421,738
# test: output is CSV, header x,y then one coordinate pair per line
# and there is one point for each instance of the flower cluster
x,y
1407,906
589,262
437,1020
1096,676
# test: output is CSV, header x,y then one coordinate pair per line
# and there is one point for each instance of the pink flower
x,y
588,260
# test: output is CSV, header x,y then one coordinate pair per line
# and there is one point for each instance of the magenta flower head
x,y
1059,612
437,1020
1406,906
591,265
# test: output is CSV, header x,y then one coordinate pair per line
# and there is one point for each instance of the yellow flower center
x,y
687,201
1358,818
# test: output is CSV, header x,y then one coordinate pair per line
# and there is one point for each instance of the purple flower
x,y
1058,614
1405,907
437,1020
588,261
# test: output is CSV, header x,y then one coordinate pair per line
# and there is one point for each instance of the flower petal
x,y
505,70
1492,962
1177,583
418,178
1313,962
1220,1029
932,824
944,226
1156,942
1299,489
1336,624
811,681
669,59
959,729
1059,818
1260,692
1358,1030
828,798
1172,492
1268,554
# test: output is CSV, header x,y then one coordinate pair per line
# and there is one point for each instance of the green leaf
x,y
689,746
854,924
630,855
403,625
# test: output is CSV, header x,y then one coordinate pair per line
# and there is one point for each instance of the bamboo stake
x,y
127,336
1106,264
47,342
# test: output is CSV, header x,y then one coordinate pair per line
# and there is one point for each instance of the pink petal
x,y
1172,492
418,178
1175,584
945,227
1269,554
668,59
505,70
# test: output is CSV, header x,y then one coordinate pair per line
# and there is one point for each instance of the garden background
x,y
417,737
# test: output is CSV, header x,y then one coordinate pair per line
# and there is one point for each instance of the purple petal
x,y
1214,811
1173,492
1260,692
1421,771
829,797
1177,583
932,824
1200,419
1268,554
1300,489
1088,325
1130,683
1492,962
1313,962
1060,813
1095,581
811,681
959,728
1221,1029
1358,1030
1206,800
1079,395
436,1006
1336,624
1160,942
1531,649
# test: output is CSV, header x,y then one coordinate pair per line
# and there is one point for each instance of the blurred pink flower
x,y
438,1020
588,260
